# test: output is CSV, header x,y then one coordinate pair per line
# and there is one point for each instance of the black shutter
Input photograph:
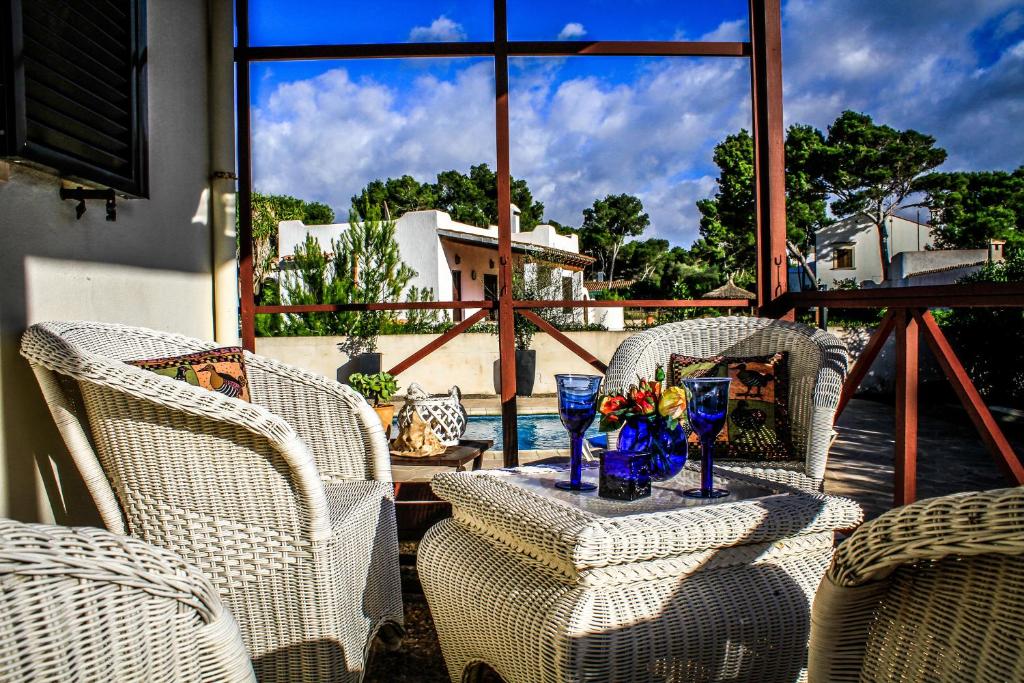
x,y
73,85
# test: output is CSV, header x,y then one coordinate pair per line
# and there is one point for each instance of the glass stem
x,y
575,459
707,480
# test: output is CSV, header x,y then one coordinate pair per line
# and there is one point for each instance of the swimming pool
x,y
536,432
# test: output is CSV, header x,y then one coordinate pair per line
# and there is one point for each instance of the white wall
x,y
152,267
904,235
468,360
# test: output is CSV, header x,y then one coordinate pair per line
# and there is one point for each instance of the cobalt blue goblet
x,y
577,405
707,402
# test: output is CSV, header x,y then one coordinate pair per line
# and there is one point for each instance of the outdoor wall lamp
x,y
458,259
491,263
472,274
81,194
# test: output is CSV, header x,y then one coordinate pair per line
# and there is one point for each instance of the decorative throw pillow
x,y
221,370
757,427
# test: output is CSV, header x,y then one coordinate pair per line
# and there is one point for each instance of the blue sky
x,y
585,127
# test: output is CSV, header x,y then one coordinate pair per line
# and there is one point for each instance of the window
x,y
842,257
73,89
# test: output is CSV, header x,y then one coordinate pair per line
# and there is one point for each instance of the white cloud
x,y
729,31
441,30
572,30
910,65
575,139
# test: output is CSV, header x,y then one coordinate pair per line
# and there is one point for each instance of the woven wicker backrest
x,y
86,605
818,364
930,592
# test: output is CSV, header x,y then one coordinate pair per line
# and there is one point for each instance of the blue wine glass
x,y
707,402
577,405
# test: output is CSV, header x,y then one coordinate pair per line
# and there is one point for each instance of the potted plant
x,y
378,390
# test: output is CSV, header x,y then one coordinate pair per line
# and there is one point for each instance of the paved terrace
x,y
951,458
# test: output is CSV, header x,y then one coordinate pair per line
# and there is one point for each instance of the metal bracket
x,y
80,194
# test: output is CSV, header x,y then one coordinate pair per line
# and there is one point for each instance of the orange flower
x,y
610,404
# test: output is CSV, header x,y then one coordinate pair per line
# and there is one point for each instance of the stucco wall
x,y
904,236
151,267
468,360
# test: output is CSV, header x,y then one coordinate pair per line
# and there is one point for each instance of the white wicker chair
x,y
87,605
818,363
285,502
931,592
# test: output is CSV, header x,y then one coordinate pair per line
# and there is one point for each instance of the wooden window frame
x,y
763,50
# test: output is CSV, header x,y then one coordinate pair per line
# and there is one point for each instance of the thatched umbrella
x,y
730,290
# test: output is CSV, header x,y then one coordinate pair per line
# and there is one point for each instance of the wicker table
x,y
544,585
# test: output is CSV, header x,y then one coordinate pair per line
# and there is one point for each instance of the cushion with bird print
x,y
757,427
221,370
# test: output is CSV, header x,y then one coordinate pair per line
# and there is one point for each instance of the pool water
x,y
536,432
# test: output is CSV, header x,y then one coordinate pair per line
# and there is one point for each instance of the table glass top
x,y
665,495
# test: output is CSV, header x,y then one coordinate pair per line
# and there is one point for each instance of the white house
x,y
459,262
849,248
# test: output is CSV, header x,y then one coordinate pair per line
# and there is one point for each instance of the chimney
x,y
995,250
515,218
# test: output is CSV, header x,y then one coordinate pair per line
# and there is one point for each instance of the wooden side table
x,y
453,456
416,506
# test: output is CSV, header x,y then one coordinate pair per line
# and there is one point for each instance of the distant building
x,y
459,262
849,248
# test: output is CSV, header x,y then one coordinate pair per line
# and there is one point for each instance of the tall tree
x,y
398,195
267,211
607,224
872,169
727,225
467,197
970,209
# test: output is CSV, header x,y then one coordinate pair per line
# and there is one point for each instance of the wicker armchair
x,y
933,591
86,605
818,363
284,503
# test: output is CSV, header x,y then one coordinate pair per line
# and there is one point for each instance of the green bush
x,y
989,340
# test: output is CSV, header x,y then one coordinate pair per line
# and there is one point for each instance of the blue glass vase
x,y
635,436
668,450
665,447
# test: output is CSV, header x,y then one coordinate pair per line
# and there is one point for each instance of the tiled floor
x,y
951,458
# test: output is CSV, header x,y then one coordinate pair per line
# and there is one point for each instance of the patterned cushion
x,y
757,427
221,370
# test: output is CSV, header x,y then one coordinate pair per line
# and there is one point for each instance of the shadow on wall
x,y
152,267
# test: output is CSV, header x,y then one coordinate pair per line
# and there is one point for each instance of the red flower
x,y
610,404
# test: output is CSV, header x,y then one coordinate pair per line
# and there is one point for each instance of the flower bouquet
x,y
649,420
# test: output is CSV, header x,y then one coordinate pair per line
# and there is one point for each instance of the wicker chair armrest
x,y
962,525
61,570
97,555
340,428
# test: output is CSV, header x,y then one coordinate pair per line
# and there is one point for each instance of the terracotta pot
x,y
386,413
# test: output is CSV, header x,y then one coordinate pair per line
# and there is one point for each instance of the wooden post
x,y
506,314
905,460
769,151
247,299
